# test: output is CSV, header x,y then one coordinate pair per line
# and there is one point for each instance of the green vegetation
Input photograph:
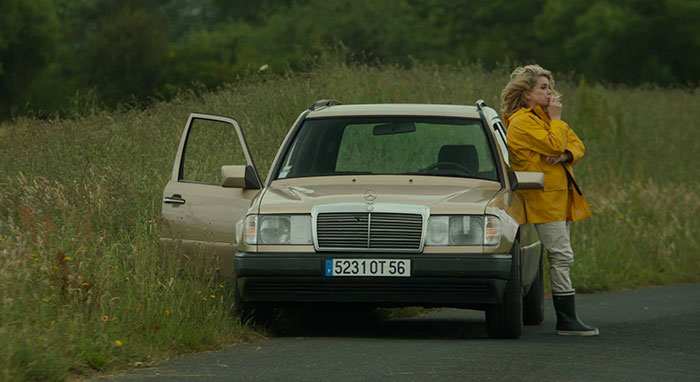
x,y
64,56
80,207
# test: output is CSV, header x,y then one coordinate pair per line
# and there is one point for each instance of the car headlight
x,y
278,229
463,230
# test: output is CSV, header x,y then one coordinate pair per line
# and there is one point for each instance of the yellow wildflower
x,y
1,239
127,278
221,286
167,312
118,343
84,249
114,318
20,262
85,283
67,258
204,299
10,283
217,269
45,299
55,267
105,318
52,323
199,292
212,295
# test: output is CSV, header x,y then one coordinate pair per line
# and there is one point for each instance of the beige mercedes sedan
x,y
383,205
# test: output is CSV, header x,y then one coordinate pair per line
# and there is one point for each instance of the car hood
x,y
442,195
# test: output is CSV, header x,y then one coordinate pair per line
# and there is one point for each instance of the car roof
x,y
395,109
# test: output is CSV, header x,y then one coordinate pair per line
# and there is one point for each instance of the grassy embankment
x,y
84,288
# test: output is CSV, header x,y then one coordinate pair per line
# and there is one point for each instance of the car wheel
x,y
533,302
257,314
505,320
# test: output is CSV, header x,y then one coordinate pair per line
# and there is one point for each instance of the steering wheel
x,y
449,165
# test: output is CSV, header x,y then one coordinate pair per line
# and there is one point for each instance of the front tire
x,y
505,320
533,302
248,312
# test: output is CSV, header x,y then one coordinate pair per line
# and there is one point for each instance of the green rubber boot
x,y
568,323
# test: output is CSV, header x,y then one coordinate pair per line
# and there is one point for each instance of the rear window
x,y
427,146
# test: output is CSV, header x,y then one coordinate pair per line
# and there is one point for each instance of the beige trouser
x,y
556,240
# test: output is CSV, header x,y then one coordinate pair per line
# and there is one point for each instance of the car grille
x,y
369,231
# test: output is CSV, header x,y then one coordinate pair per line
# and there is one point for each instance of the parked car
x,y
384,204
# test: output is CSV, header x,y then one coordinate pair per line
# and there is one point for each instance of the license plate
x,y
368,267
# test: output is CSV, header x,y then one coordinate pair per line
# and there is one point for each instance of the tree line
x,y
63,56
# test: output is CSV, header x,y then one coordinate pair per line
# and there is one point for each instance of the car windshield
x,y
455,147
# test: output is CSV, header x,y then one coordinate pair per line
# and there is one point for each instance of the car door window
x,y
501,139
210,145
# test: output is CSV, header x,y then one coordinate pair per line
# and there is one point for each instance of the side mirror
x,y
524,180
239,177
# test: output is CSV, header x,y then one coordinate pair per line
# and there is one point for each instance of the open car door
x,y
213,182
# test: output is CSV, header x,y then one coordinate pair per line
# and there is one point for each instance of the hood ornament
x,y
370,195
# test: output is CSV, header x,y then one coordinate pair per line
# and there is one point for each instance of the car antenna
x,y
324,102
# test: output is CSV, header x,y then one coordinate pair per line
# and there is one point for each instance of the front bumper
x,y
459,280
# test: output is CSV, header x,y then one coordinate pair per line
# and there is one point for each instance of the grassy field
x,y
83,287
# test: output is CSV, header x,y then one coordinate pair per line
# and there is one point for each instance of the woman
x,y
538,140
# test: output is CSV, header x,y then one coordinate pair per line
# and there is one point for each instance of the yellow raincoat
x,y
532,137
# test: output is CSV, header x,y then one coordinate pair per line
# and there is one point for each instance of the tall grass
x,y
83,286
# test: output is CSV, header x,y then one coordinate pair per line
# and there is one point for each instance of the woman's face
x,y
540,94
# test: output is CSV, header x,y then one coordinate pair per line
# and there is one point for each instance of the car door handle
x,y
175,199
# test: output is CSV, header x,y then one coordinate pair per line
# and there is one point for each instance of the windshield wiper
x,y
448,175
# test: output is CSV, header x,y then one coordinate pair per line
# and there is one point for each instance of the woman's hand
x,y
563,158
554,108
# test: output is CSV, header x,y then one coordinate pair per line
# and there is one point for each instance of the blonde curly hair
x,y
523,79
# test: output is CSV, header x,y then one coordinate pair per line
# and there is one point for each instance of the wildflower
x,y
127,278
167,312
199,292
221,286
67,258
45,299
55,267
217,269
105,318
52,323
1,239
84,249
114,318
212,295
85,284
118,343
204,299
10,283
20,262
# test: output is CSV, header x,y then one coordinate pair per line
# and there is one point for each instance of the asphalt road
x,y
650,334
